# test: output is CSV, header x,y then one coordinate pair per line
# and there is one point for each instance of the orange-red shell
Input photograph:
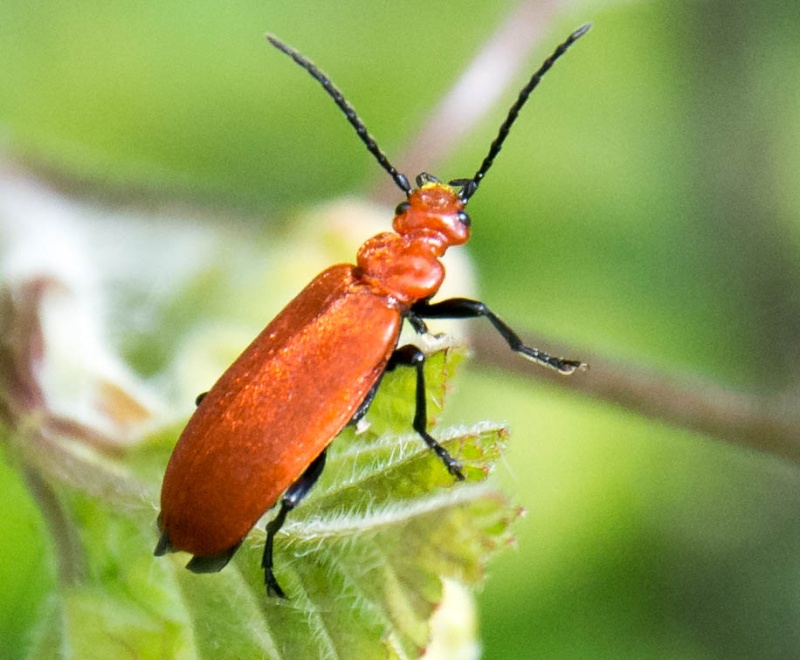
x,y
275,410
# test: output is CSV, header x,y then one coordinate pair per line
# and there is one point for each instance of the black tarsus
x,y
469,186
464,308
411,356
291,498
349,111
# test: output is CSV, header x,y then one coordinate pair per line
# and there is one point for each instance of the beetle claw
x,y
273,588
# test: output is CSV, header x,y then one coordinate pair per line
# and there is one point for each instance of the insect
x,y
260,435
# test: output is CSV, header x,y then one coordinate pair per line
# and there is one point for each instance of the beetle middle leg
x,y
410,355
291,498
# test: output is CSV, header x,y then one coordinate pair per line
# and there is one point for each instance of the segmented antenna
x,y
469,186
372,146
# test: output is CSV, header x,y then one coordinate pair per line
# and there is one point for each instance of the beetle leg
x,y
365,404
464,308
418,324
410,355
291,498
199,398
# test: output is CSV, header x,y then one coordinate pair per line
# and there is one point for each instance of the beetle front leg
x,y
411,356
464,308
291,498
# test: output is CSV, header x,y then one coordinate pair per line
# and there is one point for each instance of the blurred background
x,y
645,214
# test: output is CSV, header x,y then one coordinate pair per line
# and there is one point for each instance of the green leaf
x,y
363,559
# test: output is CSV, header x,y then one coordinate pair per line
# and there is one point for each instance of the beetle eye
x,y
464,219
402,207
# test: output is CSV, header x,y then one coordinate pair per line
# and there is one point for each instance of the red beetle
x,y
263,429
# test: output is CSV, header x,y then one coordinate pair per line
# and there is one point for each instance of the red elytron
x,y
260,434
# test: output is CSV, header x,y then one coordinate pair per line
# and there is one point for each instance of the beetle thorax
x,y
406,264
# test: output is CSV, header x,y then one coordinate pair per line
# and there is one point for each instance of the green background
x,y
645,208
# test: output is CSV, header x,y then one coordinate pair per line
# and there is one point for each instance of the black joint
x,y
407,356
200,398
402,207
468,190
568,367
402,182
455,468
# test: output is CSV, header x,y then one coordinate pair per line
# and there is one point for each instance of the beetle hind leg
x,y
291,498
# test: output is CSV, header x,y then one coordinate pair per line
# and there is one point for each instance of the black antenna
x,y
400,179
469,186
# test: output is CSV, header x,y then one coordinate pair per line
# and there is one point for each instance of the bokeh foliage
x,y
645,207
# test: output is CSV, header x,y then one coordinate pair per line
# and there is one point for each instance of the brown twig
x,y
67,547
769,424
